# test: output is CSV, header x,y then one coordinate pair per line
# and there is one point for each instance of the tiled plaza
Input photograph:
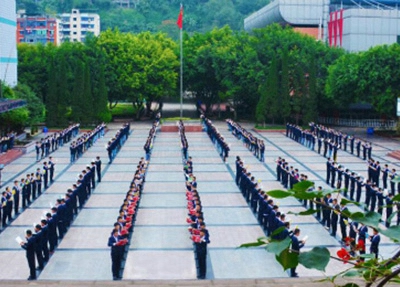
x,y
160,247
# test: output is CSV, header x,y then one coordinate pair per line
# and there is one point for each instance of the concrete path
x,y
161,248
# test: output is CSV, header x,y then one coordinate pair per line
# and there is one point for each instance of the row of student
x,y
115,144
42,241
197,227
288,175
330,213
376,198
251,142
85,141
342,138
7,142
23,192
123,227
216,138
51,143
184,142
268,214
331,142
148,146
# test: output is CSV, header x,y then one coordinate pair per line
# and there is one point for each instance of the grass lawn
x,y
270,127
123,110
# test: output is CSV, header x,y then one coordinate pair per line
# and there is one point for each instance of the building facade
x,y
356,29
75,26
8,43
38,29
355,25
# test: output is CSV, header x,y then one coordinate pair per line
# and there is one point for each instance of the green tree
x,y
34,105
14,119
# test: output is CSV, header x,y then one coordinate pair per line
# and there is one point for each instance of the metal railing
x,y
361,123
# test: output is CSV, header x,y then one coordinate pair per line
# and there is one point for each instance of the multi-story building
x,y
8,43
76,25
355,25
37,29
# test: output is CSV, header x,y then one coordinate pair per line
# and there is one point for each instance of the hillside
x,y
154,15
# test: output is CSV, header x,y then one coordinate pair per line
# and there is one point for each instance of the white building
x,y
76,25
8,42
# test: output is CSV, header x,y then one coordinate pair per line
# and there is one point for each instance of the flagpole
x,y
181,80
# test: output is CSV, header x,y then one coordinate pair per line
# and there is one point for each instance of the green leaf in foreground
x,y
277,247
317,258
303,213
370,218
288,259
252,244
279,193
392,232
302,186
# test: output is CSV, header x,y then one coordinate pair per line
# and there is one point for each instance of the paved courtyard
x,y
160,247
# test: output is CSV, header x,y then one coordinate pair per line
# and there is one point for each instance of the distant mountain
x,y
154,15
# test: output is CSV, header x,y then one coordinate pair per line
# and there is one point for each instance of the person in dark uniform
x,y
28,188
358,147
51,168
38,181
33,186
362,235
52,220
45,174
16,190
375,240
98,168
24,193
296,245
39,246
117,252
334,216
45,240
326,211
328,170
343,221
352,145
385,173
93,174
29,246
389,208
201,251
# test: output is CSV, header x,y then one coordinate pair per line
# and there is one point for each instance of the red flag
x,y
179,22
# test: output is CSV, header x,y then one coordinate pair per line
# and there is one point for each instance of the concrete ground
x,y
160,248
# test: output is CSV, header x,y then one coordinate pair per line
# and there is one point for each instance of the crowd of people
x,y
216,138
267,210
115,144
51,142
148,146
123,227
197,227
25,191
330,212
7,142
353,185
254,144
85,141
41,242
184,142
328,141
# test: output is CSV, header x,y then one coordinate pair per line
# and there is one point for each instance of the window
x,y
73,19
74,26
74,33
398,39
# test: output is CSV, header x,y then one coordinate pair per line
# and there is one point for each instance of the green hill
x,y
154,15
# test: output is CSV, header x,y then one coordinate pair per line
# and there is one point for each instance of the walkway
x,y
161,247
83,254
